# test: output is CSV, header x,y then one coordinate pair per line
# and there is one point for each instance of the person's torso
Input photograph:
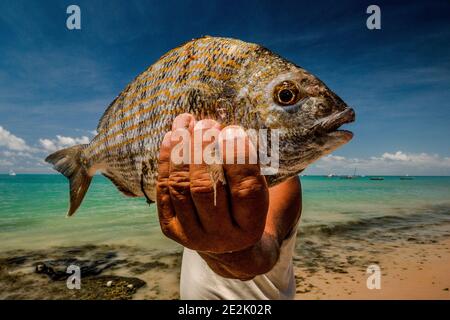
x,y
198,281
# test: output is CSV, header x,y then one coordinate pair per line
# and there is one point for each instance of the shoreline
x,y
410,270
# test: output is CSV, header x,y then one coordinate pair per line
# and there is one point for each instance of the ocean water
x,y
33,207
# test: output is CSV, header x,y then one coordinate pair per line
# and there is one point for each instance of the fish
x,y
229,80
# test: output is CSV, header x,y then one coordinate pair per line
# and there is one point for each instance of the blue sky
x,y
55,83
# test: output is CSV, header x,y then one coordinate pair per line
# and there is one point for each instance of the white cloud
x,y
62,142
11,142
16,154
20,161
396,163
5,163
48,144
333,158
398,156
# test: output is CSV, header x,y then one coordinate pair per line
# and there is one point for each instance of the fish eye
x,y
286,93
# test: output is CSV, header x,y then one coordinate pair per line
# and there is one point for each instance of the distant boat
x,y
377,178
406,177
330,175
12,173
354,176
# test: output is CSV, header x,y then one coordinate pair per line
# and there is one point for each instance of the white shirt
x,y
198,281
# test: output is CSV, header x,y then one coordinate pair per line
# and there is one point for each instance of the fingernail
x,y
184,120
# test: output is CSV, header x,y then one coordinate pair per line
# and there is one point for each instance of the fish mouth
x,y
329,126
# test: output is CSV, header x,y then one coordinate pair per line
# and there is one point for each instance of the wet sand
x,y
413,270
333,269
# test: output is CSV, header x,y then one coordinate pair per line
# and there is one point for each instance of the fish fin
x,y
68,162
149,201
119,185
102,123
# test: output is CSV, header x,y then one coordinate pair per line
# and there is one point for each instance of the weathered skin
x,y
225,79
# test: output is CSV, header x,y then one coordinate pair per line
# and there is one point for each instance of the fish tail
x,y
69,162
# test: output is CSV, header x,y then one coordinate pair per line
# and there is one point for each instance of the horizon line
x,y
301,175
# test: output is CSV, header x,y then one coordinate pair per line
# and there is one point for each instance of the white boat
x,y
12,173
354,176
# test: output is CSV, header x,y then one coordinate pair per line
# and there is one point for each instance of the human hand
x,y
230,218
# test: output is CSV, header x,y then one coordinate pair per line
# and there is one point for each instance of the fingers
x,y
184,120
165,209
178,181
191,205
249,194
210,198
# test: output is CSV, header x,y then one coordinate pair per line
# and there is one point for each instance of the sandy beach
x,y
415,271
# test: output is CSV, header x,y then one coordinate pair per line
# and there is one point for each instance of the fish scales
x,y
135,125
210,77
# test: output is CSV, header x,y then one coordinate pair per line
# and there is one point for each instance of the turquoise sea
x,y
33,207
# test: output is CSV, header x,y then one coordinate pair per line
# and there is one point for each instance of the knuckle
x,y
179,184
247,188
162,186
202,190
202,185
178,178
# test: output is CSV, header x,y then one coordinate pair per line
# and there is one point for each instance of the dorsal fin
x,y
104,119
